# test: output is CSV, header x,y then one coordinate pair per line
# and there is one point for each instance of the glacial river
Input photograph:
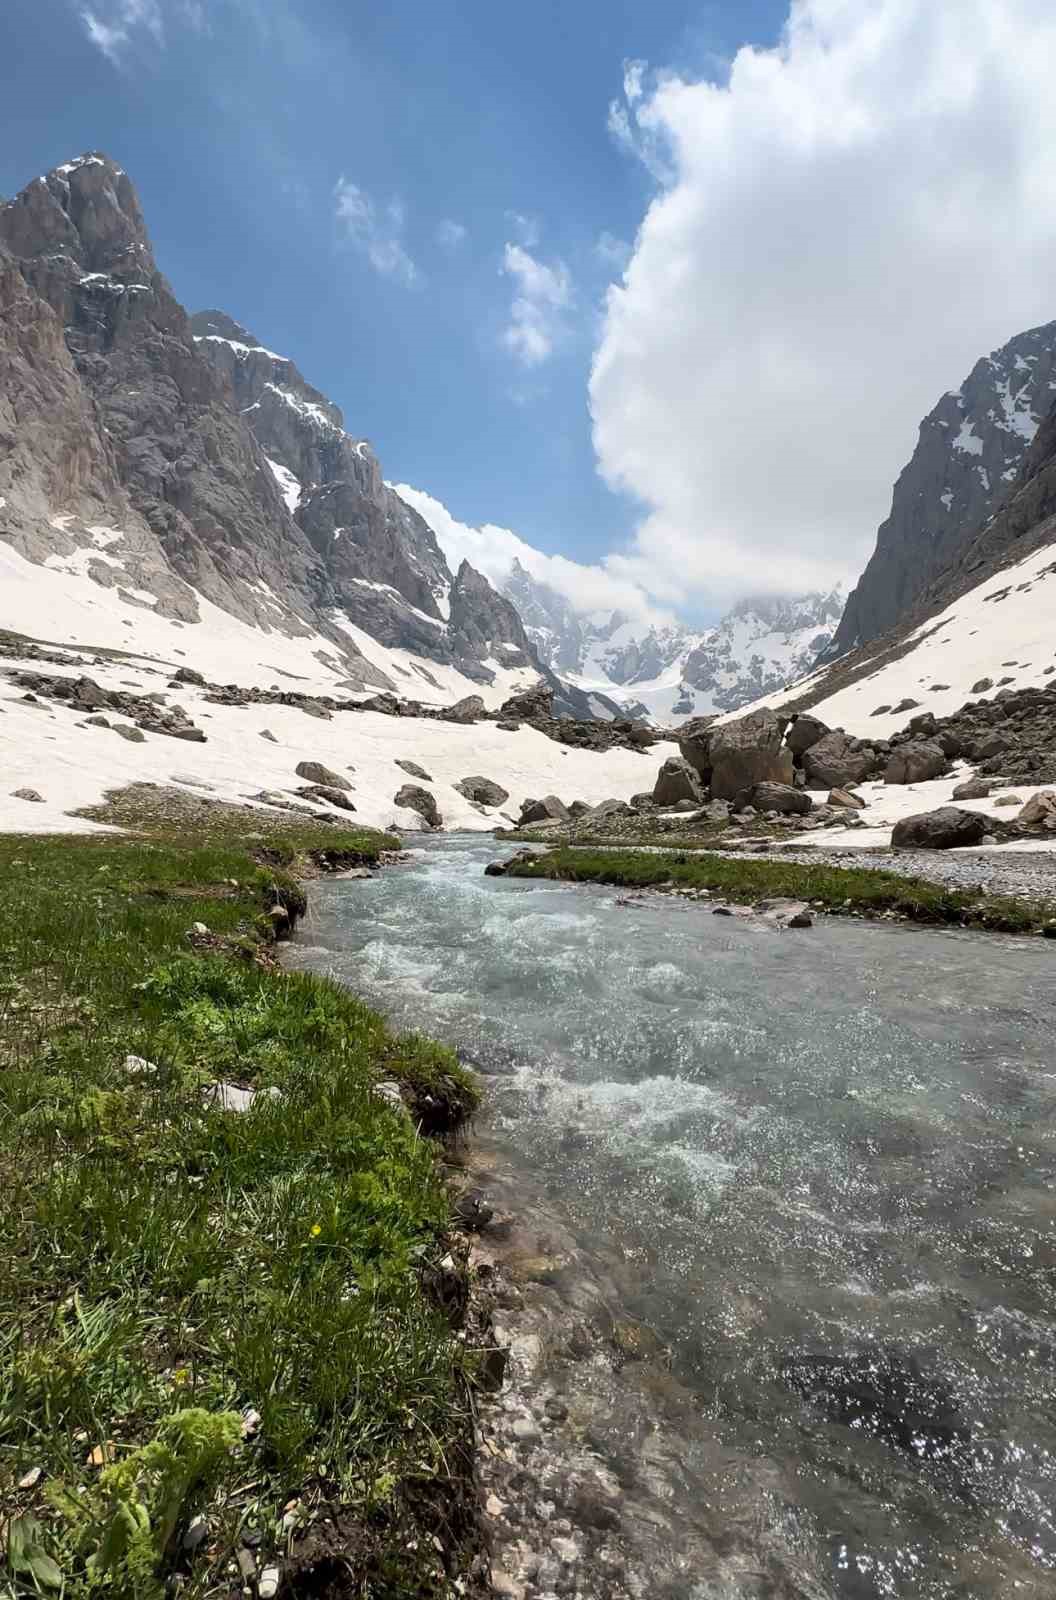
x,y
827,1160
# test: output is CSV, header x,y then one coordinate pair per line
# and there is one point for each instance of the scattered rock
x,y
133,735
188,675
981,685
28,794
1039,811
315,772
846,798
836,760
417,799
916,762
806,730
973,789
746,752
948,828
1009,800
327,793
801,919
414,770
469,709
549,809
268,1586
482,791
677,780
266,733
533,704
782,798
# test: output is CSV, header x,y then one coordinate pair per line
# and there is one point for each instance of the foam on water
x,y
832,1151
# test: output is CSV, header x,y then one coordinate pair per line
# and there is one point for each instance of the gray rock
x,y
420,800
482,791
133,735
677,780
782,798
694,741
606,809
947,828
837,760
315,772
27,794
469,709
328,794
1039,811
994,744
846,798
981,685
746,752
916,762
804,732
266,733
549,809
973,789
413,770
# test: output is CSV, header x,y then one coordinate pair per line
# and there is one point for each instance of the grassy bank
x,y
836,889
207,1313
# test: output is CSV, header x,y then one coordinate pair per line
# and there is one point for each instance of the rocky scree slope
x,y
672,672
175,464
969,451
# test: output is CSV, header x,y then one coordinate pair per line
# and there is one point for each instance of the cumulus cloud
x,y
114,25
613,253
846,223
541,294
492,550
528,230
450,235
376,233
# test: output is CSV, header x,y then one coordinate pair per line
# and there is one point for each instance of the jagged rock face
x,y
761,646
186,464
969,452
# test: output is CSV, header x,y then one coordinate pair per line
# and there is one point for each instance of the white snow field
x,y
46,747
1004,629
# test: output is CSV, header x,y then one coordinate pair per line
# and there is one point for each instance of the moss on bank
x,y
837,889
203,1312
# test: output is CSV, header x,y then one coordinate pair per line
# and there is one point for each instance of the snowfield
x,y
1004,629
46,747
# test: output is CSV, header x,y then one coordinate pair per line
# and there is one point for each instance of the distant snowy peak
x,y
668,670
968,452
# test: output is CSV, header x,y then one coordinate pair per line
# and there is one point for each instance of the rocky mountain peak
x,y
86,212
967,456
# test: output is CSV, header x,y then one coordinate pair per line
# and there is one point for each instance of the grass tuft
x,y
838,889
169,1268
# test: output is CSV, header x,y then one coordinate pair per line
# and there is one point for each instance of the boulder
x,y
694,741
746,752
804,732
640,802
993,744
188,675
578,808
549,809
837,760
783,798
947,828
923,726
535,704
981,685
675,781
469,709
974,789
27,794
327,793
413,770
609,808
315,772
133,735
846,798
482,791
420,800
916,762
949,743
1039,811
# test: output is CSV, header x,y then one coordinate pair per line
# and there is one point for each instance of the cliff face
x,y
178,459
968,454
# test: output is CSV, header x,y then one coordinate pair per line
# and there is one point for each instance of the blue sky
x,y
237,119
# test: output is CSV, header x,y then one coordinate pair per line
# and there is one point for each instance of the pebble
x,y
268,1587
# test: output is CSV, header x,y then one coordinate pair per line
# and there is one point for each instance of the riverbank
x,y
839,890
229,1285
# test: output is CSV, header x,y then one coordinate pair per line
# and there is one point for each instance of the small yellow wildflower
x,y
181,1375
316,1230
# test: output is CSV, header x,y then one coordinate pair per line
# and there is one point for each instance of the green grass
x,y
166,1266
837,889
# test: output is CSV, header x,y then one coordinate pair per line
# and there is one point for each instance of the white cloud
x,y
541,294
529,230
450,235
493,550
849,221
613,253
376,233
114,25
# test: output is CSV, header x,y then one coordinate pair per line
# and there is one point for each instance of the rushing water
x,y
828,1161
